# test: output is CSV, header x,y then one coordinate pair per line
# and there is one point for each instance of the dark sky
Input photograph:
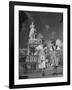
x,y
49,24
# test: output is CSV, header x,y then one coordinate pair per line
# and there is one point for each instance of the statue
x,y
32,39
32,32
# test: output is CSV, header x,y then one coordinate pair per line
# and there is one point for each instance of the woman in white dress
x,y
41,59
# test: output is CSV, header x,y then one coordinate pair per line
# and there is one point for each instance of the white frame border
x,y
18,81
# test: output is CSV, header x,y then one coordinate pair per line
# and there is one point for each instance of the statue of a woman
x,y
32,32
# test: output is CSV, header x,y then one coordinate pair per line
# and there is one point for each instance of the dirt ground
x,y
49,72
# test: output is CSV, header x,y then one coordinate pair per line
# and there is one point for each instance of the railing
x,y
32,58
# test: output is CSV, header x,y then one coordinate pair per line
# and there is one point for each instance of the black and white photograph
x,y
39,44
